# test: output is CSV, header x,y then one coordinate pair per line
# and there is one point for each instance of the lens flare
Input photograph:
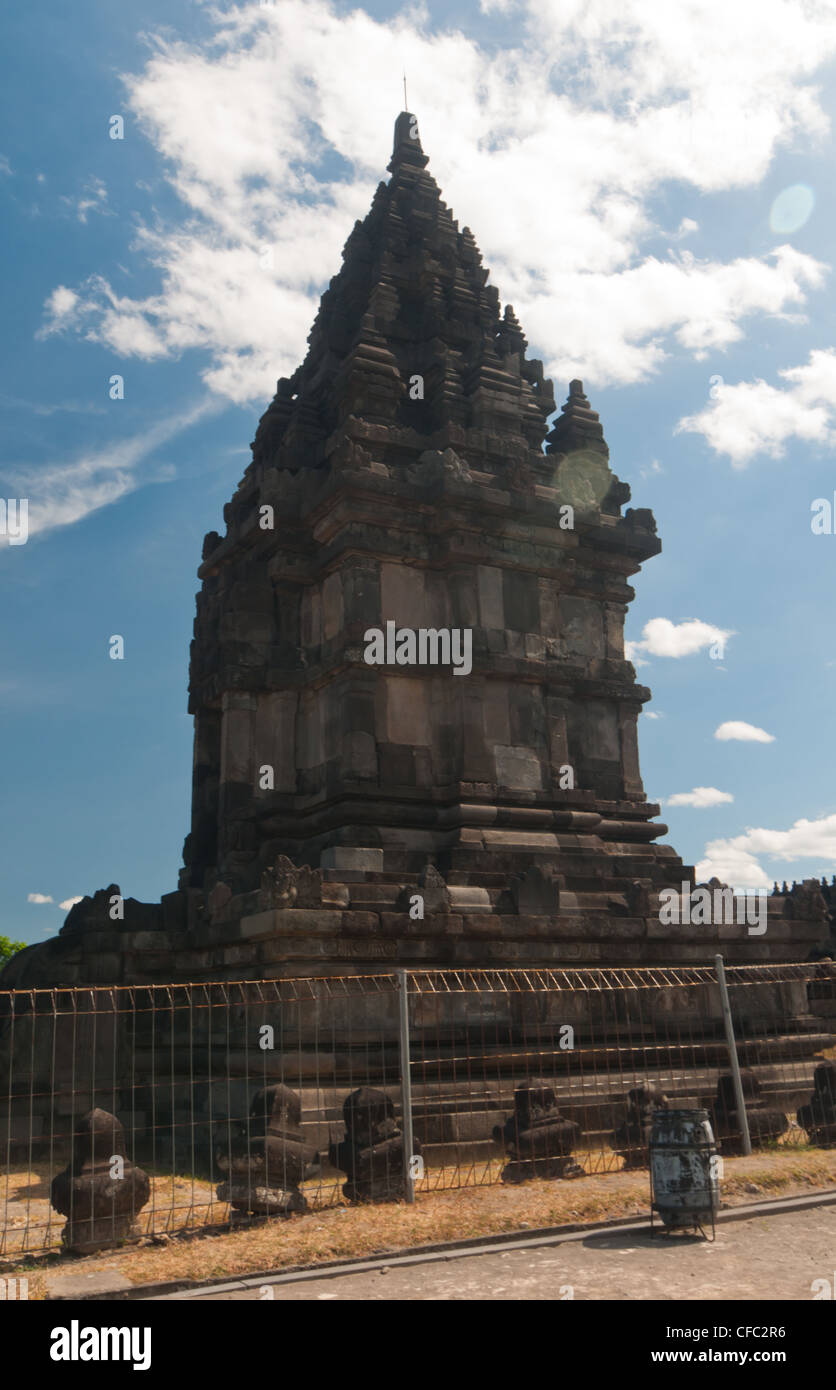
x,y
791,208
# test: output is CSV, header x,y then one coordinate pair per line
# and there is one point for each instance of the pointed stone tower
x,y
399,478
415,727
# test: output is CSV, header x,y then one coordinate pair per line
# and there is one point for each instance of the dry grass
x,y
341,1232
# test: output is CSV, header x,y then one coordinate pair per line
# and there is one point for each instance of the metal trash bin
x,y
684,1186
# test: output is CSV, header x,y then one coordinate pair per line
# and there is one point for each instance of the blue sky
x,y
619,165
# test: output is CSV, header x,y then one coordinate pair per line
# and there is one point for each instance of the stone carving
x,y
350,456
267,1159
371,1154
632,1137
101,1191
91,910
433,465
434,890
284,885
818,1117
764,1125
537,1137
520,476
431,887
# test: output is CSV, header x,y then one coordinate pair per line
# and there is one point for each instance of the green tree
x,y
9,948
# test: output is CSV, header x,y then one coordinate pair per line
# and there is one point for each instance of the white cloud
x,y
39,898
736,860
649,713
60,306
740,731
63,493
92,199
700,798
661,637
631,653
270,140
69,902
753,417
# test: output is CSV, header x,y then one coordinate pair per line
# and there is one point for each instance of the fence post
x,y
742,1117
406,1084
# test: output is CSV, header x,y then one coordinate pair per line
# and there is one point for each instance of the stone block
x,y
403,597
518,768
288,922
332,606
467,899
359,755
407,710
491,607
348,857
537,891
521,600
311,618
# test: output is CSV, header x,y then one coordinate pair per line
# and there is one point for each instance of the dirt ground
x,y
209,1251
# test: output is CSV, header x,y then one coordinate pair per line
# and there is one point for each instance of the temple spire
x,y
577,427
406,147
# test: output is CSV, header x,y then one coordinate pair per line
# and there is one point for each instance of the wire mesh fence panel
x,y
130,1112
520,1074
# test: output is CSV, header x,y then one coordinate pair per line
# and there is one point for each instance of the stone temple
x,y
349,815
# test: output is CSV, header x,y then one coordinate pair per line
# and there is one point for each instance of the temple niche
x,y
414,472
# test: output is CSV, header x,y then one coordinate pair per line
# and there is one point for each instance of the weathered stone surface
x,y
267,1158
102,1191
537,1137
371,1153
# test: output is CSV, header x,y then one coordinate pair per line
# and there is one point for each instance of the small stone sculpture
x,y
537,1137
632,1137
371,1154
818,1117
268,1158
764,1125
101,1191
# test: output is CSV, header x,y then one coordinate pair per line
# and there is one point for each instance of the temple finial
x,y
407,143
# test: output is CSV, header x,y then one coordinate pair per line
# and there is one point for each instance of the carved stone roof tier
x,y
409,334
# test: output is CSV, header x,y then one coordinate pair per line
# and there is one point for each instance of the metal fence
x,y
235,1100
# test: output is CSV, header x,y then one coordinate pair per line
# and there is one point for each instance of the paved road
x,y
775,1256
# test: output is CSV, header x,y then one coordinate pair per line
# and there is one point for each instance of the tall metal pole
x,y
406,1085
742,1118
